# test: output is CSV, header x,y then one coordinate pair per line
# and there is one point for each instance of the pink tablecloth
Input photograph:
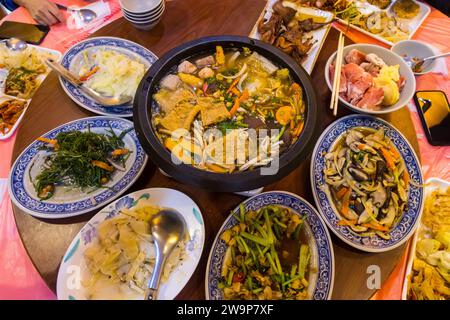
x,y
19,279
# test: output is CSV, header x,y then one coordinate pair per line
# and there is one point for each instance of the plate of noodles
x,y
113,255
110,66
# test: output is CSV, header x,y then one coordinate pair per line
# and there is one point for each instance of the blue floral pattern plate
x,y
322,257
407,225
68,202
72,61
73,268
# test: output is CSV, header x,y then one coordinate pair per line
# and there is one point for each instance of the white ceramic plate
x,y
413,24
73,60
318,35
431,185
322,256
68,202
405,228
3,96
69,288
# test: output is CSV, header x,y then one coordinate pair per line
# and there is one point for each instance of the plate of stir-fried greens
x,y
77,167
273,246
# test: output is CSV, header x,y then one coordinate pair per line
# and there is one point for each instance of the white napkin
x,y
100,8
441,65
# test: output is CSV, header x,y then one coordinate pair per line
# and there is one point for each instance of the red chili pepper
x,y
238,277
205,87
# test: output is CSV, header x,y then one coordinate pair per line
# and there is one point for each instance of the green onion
x,y
259,240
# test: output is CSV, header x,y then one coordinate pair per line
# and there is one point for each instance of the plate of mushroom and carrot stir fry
x,y
367,183
273,246
77,167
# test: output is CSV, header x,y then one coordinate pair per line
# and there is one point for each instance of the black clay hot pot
x,y
239,181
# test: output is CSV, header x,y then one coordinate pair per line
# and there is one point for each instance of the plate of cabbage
x,y
110,66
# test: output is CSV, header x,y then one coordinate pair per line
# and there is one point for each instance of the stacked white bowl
x,y
143,14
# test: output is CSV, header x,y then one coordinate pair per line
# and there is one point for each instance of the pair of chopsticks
x,y
337,75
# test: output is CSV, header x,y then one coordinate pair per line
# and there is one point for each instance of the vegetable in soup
x,y
211,110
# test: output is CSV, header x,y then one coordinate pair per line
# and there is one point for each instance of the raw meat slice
x,y
355,56
343,83
358,81
371,99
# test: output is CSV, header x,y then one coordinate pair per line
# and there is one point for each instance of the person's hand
x,y
43,11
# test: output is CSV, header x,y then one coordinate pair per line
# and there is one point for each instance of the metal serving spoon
x,y
15,44
101,99
415,63
86,15
168,229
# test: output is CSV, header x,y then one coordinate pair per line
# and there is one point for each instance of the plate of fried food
x,y
21,73
428,269
295,29
388,21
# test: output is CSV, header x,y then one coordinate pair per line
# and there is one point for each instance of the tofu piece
x,y
211,111
168,99
180,117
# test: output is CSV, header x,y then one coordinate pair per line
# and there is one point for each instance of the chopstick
x,y
337,75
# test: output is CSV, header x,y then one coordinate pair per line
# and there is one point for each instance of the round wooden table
x,y
47,240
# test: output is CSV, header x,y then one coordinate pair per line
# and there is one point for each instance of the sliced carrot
x,y
102,165
89,74
342,191
237,102
296,88
378,227
284,115
394,152
346,202
205,87
345,222
236,92
292,124
120,152
387,156
299,129
233,84
405,177
47,140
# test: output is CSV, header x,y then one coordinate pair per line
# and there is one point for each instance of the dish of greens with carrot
x,y
367,181
231,91
80,159
268,256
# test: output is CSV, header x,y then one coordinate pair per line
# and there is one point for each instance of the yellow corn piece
x,y
220,56
191,80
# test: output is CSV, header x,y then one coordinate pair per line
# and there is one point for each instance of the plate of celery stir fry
x,y
77,167
273,246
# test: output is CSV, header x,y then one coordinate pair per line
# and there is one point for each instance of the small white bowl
x,y
139,6
151,17
414,48
146,25
390,59
153,12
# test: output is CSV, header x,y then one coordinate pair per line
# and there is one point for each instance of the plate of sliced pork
x,y
373,80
